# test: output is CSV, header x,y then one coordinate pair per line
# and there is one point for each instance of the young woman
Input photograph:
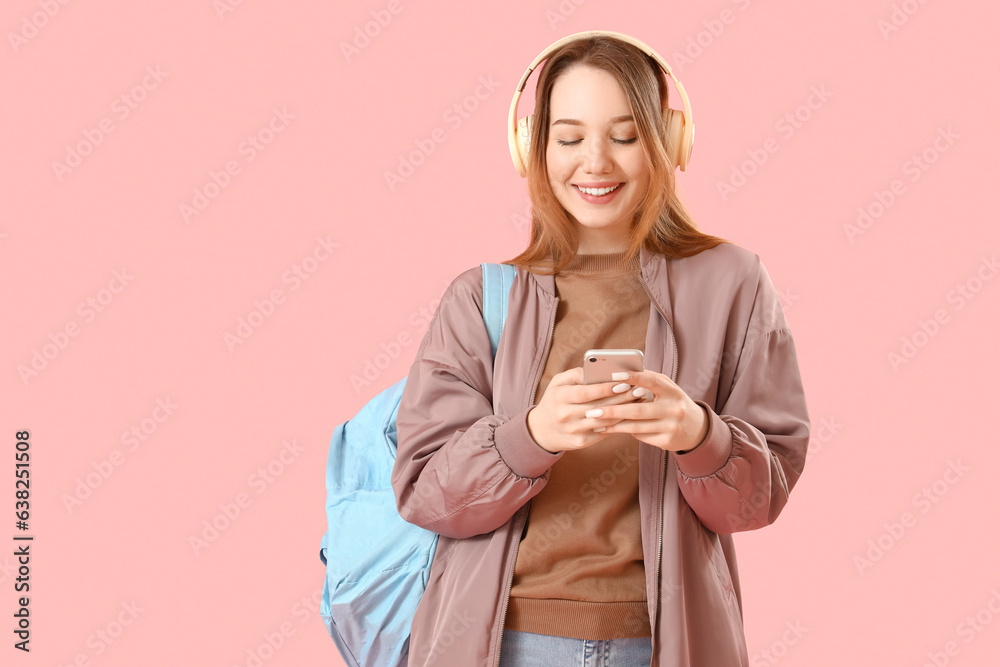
x,y
590,524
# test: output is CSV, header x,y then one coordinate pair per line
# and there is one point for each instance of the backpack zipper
x,y
510,574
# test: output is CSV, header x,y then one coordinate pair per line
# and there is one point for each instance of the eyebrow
x,y
573,121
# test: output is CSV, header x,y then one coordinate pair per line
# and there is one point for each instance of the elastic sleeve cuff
x,y
524,456
708,457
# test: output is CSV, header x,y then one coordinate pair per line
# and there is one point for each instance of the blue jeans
x,y
527,649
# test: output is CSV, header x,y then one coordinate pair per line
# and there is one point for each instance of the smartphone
x,y
598,365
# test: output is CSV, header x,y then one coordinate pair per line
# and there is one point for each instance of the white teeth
x,y
597,192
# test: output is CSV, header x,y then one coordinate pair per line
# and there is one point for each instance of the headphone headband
x,y
515,134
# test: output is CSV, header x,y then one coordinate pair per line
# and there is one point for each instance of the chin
x,y
599,224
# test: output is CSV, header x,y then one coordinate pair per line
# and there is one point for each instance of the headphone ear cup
x,y
524,139
679,142
675,130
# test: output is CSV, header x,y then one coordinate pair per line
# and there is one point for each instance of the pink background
x,y
862,568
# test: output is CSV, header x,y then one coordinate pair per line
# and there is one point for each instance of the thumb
x,y
571,376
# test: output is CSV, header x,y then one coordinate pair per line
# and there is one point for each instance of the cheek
x,y
556,170
638,171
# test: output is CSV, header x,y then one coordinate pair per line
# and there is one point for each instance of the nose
x,y
598,158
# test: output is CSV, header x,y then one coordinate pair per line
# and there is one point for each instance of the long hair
x,y
661,222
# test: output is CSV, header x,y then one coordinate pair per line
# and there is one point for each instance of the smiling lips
x,y
598,193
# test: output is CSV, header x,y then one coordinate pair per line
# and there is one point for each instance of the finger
x,y
572,389
567,377
618,399
593,393
630,382
635,427
605,425
651,380
638,410
642,394
585,393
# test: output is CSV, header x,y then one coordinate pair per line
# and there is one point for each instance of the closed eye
x,y
563,142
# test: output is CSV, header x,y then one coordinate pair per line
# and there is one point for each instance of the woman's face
x,y
595,162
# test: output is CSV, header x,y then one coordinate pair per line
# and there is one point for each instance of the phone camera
x,y
593,359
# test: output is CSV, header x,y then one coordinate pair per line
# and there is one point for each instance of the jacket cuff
x,y
711,454
524,456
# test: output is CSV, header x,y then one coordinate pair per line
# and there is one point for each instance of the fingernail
x,y
619,388
599,429
639,391
596,412
620,375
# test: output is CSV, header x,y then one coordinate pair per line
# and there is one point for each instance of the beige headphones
x,y
680,124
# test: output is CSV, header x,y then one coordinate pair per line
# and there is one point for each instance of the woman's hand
x,y
670,419
559,422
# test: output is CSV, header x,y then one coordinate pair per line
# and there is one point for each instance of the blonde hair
x,y
661,222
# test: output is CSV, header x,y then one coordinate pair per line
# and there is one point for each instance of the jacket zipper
x,y
663,477
510,573
663,483
548,345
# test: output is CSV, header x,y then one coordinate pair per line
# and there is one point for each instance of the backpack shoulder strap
x,y
497,279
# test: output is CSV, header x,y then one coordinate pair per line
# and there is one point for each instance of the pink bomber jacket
x,y
467,467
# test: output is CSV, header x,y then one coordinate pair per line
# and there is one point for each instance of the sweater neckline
x,y
601,264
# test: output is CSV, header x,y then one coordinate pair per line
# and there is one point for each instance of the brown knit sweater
x,y
579,570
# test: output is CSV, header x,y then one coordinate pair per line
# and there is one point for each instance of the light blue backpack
x,y
377,564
